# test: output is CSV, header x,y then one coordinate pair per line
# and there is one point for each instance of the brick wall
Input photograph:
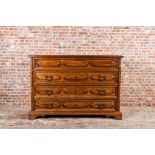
x,y
136,44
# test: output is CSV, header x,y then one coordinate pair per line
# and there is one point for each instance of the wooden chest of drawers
x,y
75,85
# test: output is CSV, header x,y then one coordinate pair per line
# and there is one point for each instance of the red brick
x,y
134,43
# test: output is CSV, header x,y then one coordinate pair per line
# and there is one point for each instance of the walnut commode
x,y
75,85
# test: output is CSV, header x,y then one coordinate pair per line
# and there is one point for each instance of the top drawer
x,y
51,63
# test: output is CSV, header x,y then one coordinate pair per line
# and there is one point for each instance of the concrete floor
x,y
133,117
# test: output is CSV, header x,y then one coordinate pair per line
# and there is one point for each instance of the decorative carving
x,y
98,77
56,77
75,63
48,105
102,105
52,63
36,63
49,77
75,91
97,105
41,77
75,105
47,63
48,92
69,106
104,77
101,78
103,63
100,92
76,77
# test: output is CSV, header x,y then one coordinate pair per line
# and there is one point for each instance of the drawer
x,y
77,92
51,78
50,63
76,105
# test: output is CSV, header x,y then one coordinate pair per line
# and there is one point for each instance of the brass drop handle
x,y
49,92
101,92
101,78
49,78
100,105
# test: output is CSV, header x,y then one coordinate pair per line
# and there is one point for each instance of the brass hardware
x,y
76,78
51,105
101,106
49,78
49,92
101,78
101,92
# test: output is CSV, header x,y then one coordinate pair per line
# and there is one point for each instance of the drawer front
x,y
104,63
50,63
78,92
76,105
76,78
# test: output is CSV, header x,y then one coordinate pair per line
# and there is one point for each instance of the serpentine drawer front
x,y
75,85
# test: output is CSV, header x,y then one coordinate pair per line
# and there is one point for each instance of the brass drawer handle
x,y
49,78
100,106
52,105
97,105
49,92
101,78
75,77
101,92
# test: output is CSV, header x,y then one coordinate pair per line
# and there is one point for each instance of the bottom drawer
x,y
76,105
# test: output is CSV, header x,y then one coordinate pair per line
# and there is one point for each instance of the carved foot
x,y
118,116
115,115
32,116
